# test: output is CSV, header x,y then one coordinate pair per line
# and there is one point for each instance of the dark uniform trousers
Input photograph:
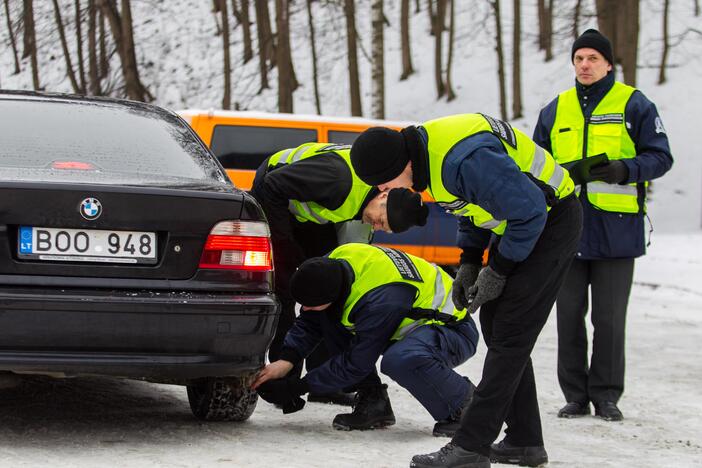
x,y
511,325
315,240
610,281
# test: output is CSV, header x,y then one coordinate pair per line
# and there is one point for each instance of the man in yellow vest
x,y
367,301
601,116
501,185
313,202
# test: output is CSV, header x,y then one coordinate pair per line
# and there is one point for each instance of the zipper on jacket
x,y
583,187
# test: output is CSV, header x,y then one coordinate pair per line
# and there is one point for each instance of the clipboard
x,y
580,170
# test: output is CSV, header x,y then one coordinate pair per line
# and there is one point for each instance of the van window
x,y
345,138
246,147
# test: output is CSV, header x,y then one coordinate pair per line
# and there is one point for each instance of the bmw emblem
x,y
90,208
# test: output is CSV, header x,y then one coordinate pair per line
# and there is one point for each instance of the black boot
x,y
337,398
608,411
574,409
450,456
504,452
448,427
371,410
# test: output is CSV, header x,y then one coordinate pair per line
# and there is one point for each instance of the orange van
x,y
243,140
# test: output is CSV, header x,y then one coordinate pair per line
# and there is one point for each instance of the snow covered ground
x,y
108,422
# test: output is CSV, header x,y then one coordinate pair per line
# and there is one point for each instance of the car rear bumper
x,y
158,336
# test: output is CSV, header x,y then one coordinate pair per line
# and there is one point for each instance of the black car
x,y
126,251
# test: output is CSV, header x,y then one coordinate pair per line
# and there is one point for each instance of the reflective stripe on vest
x,y
375,266
606,133
444,133
314,212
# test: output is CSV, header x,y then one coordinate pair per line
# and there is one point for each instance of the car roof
x,y
21,95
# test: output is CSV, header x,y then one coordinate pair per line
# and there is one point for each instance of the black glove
x,y
488,286
285,392
613,172
465,278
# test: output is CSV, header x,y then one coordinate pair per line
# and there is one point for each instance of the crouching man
x,y
366,301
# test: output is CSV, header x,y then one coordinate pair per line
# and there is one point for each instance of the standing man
x,y
313,202
601,115
496,179
367,301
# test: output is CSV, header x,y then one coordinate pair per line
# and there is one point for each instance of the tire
x,y
215,399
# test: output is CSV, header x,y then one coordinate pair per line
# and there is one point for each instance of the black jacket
x,y
324,179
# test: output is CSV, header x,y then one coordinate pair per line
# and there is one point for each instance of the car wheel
x,y
216,399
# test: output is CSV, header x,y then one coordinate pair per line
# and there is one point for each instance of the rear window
x,y
246,147
100,143
341,137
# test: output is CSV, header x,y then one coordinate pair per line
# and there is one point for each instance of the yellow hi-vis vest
x,y
444,133
311,211
374,266
573,137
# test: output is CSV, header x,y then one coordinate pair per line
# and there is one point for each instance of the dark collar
x,y
418,156
596,91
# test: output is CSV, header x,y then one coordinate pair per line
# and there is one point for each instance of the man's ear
x,y
383,195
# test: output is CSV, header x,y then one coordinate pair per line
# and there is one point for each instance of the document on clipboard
x,y
580,170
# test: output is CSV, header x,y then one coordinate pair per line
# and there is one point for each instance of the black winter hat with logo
x,y
405,209
317,281
593,39
378,155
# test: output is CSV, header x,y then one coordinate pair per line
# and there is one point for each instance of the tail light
x,y
238,245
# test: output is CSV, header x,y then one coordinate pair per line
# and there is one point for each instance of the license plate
x,y
86,245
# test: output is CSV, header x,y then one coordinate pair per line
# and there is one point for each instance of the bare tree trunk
x,y
123,35
263,32
64,46
354,84
407,69
628,22
313,44
500,59
432,17
104,64
576,18
263,19
12,38
377,61
548,45
517,62
216,8
697,7
93,72
79,48
416,6
242,16
227,97
285,78
666,45
619,21
541,5
30,42
438,53
450,94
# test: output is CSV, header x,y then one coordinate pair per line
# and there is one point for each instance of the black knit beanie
x,y
593,39
317,281
378,155
405,209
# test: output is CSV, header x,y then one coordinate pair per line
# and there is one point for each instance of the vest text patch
x,y
454,205
607,119
502,130
403,264
334,148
